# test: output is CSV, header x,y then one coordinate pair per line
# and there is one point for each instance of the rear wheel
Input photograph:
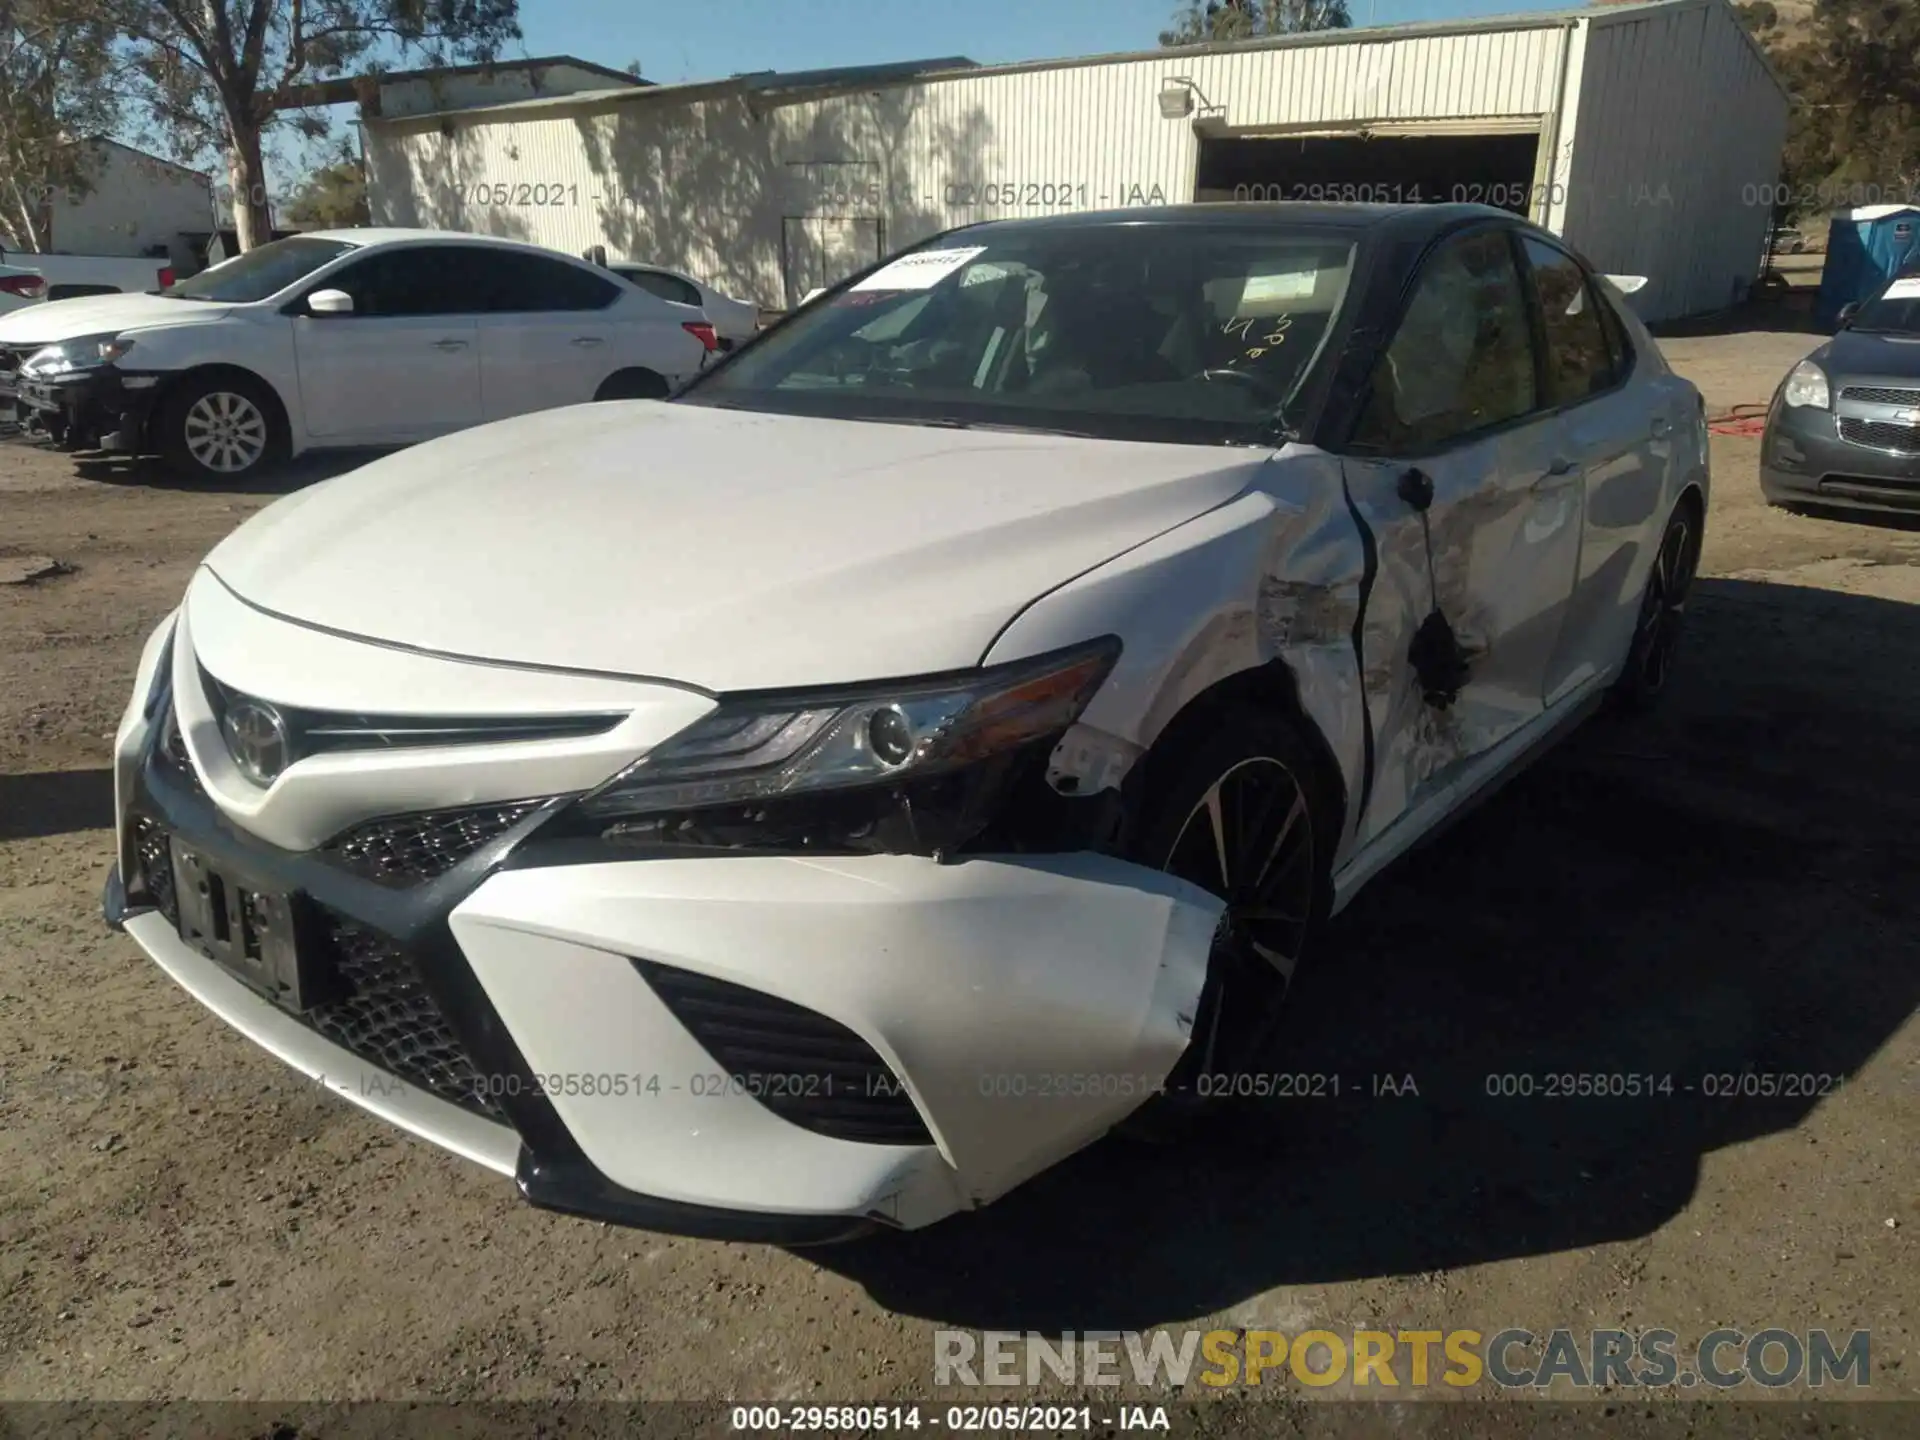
x,y
1663,610
633,385
1248,818
221,427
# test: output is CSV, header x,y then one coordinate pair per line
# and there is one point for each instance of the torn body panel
x,y
1274,576
1027,1005
1495,553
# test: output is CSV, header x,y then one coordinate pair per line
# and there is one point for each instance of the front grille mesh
x,y
807,1069
1881,435
401,850
386,1016
1875,395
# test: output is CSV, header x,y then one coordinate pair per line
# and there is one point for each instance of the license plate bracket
x,y
247,929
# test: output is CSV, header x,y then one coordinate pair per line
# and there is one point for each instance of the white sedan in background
x,y
341,339
735,321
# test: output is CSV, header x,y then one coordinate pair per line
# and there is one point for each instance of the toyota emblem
x,y
257,740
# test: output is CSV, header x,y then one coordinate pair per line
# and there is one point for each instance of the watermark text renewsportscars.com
x,y
1380,1360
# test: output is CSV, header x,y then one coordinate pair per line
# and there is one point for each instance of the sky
x,y
711,39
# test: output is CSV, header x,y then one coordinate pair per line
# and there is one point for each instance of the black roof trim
x,y
1434,218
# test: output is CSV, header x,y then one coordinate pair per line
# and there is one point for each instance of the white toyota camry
x,y
830,797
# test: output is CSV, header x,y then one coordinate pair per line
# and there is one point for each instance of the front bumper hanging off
x,y
652,1041
97,409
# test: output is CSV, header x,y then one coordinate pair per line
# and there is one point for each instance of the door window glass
x,y
419,280
515,282
1579,363
1462,359
667,287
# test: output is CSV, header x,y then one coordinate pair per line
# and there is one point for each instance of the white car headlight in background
x,y
1807,385
760,748
88,353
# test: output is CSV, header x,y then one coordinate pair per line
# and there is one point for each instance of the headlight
x,y
69,355
1807,385
745,767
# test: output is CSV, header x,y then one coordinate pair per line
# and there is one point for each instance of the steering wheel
x,y
1243,377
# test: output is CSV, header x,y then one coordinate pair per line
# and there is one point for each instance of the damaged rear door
x,y
1456,468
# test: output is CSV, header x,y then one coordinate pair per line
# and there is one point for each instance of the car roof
x,y
397,235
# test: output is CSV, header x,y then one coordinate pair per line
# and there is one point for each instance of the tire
x,y
1663,609
633,385
1278,814
222,426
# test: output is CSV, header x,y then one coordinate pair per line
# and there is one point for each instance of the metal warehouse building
x,y
1643,133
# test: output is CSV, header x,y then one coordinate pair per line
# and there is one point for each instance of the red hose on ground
x,y
1740,420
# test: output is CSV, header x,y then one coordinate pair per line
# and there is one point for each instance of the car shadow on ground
x,y
148,472
1716,891
55,802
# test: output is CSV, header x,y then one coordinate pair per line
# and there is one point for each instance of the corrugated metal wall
x,y
135,202
1678,128
740,196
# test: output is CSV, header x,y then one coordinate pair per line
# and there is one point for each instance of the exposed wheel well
x,y
635,383
1272,688
277,416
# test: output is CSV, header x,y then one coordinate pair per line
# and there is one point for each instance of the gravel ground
x,y
1725,886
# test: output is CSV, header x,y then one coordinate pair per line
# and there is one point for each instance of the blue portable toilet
x,y
1866,247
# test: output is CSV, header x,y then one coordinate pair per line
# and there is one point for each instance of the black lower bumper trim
x,y
575,1187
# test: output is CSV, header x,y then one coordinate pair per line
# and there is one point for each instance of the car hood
x,y
59,320
1858,354
724,549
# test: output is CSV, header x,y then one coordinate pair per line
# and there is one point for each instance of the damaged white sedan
x,y
828,798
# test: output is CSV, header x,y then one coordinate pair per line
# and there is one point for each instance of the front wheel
x,y
1249,818
221,427
1663,611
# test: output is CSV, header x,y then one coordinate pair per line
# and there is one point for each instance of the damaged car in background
x,y
947,745
340,339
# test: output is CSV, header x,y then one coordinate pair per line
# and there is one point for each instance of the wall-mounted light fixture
x,y
1177,95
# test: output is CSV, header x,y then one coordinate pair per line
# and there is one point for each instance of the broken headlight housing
x,y
87,353
912,767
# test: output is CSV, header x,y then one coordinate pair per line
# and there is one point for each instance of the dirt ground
x,y
1726,886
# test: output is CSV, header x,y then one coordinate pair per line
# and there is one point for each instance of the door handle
x,y
1661,427
588,341
449,344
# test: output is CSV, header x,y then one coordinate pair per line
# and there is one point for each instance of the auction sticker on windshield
x,y
1903,290
921,270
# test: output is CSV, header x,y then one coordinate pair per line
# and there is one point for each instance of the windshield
x,y
256,274
1185,333
1895,311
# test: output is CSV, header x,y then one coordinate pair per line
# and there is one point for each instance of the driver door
x,y
1456,398
405,364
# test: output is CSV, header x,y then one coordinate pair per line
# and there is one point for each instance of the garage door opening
x,y
1478,169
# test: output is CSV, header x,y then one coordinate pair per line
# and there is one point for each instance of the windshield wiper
x,y
954,422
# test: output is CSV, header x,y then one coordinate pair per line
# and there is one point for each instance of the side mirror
x,y
1847,312
330,302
